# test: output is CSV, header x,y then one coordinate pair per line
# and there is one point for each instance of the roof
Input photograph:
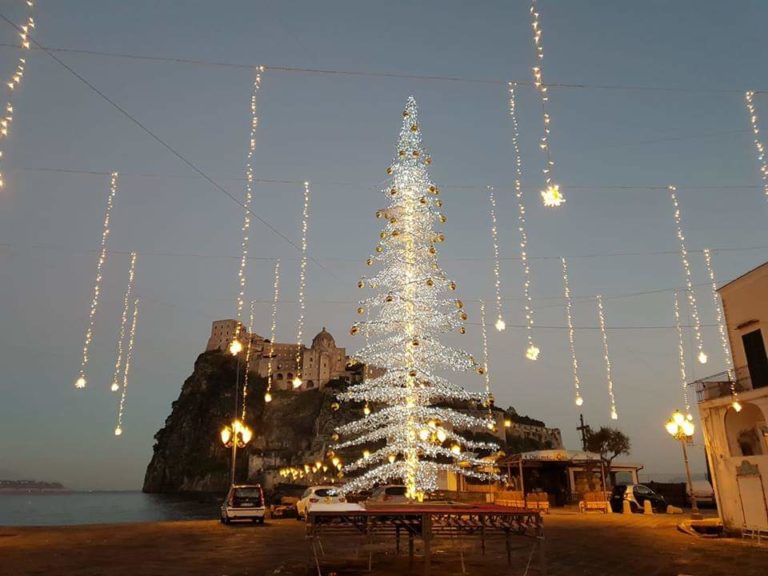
x,y
755,269
561,455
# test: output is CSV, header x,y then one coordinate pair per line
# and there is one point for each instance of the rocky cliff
x,y
296,429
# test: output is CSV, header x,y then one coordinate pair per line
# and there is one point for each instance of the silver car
x,y
244,502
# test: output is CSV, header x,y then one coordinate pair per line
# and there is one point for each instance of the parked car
x,y
315,495
391,494
244,502
636,495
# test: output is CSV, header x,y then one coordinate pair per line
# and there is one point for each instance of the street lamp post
x,y
681,428
235,436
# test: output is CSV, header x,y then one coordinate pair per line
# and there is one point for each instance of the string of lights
x,y
241,274
15,80
681,355
486,373
722,331
702,357
272,333
248,348
500,324
302,285
127,369
123,323
574,361
551,195
532,351
754,121
81,380
606,357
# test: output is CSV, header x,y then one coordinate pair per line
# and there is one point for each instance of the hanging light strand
x,y
721,329
81,380
532,351
551,195
127,368
241,274
486,375
272,334
248,351
681,355
702,357
568,313
14,81
302,285
123,324
606,357
500,324
754,121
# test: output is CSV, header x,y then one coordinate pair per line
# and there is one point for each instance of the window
x,y
757,361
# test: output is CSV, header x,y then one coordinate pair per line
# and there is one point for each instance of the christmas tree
x,y
410,412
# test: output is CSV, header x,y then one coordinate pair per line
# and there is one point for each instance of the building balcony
x,y
720,385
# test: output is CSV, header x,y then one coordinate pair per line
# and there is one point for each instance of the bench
x,y
594,501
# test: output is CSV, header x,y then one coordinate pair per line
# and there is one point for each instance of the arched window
x,y
310,383
279,375
744,431
290,376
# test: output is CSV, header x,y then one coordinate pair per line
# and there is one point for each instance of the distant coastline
x,y
31,486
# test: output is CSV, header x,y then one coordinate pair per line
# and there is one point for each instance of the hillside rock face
x,y
295,429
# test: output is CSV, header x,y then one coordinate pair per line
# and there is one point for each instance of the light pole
x,y
681,428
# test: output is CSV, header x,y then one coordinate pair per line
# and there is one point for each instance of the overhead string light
x,y
702,357
568,312
14,81
606,357
272,334
123,324
486,374
532,351
248,352
81,380
754,121
241,274
722,330
302,285
681,356
551,195
500,324
127,369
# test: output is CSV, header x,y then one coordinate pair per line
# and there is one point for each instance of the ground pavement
x,y
594,544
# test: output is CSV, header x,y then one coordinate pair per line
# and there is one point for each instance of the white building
x,y
737,440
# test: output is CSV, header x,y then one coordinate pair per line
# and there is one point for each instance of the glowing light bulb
x,y
366,410
267,397
456,449
736,405
235,347
671,427
441,435
423,434
532,353
366,454
115,387
614,414
501,325
297,382
702,358
118,431
678,418
579,401
391,458
80,382
552,197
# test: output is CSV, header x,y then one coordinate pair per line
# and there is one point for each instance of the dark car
x,y
636,495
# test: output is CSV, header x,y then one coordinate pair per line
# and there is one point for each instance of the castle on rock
x,y
322,362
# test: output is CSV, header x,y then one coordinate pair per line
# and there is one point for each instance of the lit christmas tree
x,y
409,408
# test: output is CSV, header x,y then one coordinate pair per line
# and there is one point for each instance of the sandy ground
x,y
594,544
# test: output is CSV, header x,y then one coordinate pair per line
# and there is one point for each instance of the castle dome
x,y
323,340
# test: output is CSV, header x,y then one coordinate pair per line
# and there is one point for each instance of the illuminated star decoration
x,y
123,323
302,285
81,380
552,196
410,309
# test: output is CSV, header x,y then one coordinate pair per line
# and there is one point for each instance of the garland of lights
x,y
551,195
302,286
754,121
574,361
606,357
123,322
681,356
408,312
248,348
127,369
268,393
532,351
722,330
486,373
81,380
15,80
702,357
241,273
500,324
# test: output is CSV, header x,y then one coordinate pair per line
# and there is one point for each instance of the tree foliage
x,y
608,442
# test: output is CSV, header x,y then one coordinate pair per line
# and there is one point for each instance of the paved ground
x,y
575,545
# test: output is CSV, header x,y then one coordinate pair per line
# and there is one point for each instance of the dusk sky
x,y
660,101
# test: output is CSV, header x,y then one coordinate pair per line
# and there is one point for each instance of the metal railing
x,y
720,385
